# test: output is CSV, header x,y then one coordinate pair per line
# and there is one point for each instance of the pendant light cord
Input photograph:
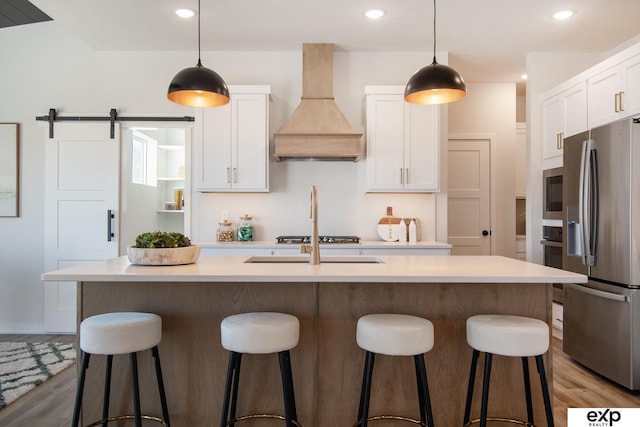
x,y
434,31
199,61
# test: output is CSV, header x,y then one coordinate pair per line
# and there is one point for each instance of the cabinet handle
x,y
621,102
228,175
616,100
235,175
407,175
401,176
560,140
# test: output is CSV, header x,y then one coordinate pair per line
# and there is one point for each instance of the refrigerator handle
x,y
602,294
588,188
581,204
595,204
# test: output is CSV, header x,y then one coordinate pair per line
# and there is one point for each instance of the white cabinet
x,y
403,142
563,114
231,152
614,93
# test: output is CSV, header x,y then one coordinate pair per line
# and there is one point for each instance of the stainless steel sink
x,y
301,259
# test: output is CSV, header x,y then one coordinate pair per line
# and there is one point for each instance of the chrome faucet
x,y
314,248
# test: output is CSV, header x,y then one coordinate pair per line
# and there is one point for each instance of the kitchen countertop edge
x,y
394,269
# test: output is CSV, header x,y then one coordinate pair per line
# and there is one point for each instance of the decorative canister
x,y
224,233
245,229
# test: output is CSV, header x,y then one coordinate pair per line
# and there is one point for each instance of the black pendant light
x,y
435,83
198,86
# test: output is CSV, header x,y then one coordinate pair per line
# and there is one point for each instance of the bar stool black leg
x,y
527,389
163,396
236,385
136,389
107,390
426,415
78,403
287,388
229,384
485,389
545,391
472,380
365,393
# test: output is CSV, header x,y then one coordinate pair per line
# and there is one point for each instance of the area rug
x,y
23,366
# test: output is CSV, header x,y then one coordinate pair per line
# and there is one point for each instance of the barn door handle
x,y
110,233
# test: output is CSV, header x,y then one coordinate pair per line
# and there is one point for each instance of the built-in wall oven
x,y
552,253
552,193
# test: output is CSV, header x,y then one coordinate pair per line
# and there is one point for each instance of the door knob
x,y
485,233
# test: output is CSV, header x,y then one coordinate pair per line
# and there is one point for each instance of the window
x,y
144,159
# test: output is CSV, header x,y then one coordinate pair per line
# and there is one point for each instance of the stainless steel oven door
x,y
552,252
552,193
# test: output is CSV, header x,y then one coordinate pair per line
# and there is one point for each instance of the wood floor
x,y
51,404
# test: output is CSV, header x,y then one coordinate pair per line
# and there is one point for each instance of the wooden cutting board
x,y
389,226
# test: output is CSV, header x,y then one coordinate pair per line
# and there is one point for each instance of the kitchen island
x,y
328,299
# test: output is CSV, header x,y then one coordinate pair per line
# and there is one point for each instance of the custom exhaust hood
x,y
317,129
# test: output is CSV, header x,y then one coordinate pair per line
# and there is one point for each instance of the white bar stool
x,y
512,336
395,335
259,333
111,334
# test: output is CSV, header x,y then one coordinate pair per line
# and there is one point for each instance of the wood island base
x,y
327,363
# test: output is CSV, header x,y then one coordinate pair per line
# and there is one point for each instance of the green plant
x,y
162,239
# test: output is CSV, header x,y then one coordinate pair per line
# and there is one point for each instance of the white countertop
x,y
400,269
364,244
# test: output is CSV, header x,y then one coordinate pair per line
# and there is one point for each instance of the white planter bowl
x,y
163,256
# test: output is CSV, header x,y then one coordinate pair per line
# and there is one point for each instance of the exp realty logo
x,y
603,417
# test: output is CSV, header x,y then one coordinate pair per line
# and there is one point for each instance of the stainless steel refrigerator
x,y
601,198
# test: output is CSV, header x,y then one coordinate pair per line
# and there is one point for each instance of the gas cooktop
x,y
321,239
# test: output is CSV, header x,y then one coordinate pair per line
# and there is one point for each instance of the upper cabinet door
x,y
403,143
422,148
231,153
552,128
385,142
212,148
250,136
614,94
604,97
563,114
631,95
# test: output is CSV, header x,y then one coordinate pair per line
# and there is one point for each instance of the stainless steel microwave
x,y
552,194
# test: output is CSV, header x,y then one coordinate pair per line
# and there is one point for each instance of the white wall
x,y
44,67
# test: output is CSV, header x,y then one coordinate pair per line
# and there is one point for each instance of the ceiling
x,y
487,40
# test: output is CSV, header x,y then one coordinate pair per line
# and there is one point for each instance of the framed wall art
x,y
9,173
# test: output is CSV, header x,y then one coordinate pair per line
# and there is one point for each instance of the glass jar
x,y
245,229
224,233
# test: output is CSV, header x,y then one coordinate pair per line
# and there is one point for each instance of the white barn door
x,y
82,171
469,207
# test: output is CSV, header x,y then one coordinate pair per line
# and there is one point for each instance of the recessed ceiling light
x,y
375,13
563,14
185,13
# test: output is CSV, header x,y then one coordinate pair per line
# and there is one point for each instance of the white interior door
x,y
82,170
469,212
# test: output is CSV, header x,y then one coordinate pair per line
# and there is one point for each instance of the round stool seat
x,y
394,334
508,335
259,333
120,333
